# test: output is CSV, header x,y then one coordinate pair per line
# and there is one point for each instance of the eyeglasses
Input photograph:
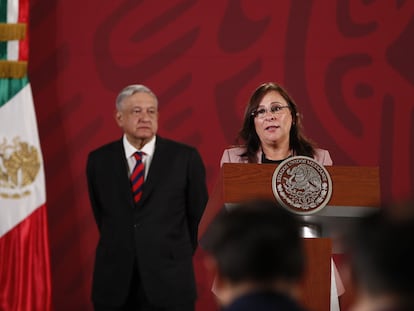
x,y
274,110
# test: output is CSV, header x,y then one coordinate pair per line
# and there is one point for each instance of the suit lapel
x,y
120,169
159,165
121,164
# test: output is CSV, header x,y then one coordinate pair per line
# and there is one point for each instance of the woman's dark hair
x,y
299,144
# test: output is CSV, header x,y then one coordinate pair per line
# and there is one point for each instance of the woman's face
x,y
273,120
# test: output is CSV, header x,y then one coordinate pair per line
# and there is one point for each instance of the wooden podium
x,y
355,192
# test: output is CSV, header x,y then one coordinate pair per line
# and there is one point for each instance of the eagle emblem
x,y
302,185
19,166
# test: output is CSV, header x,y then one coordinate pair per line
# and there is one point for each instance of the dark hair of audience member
x,y
381,253
256,241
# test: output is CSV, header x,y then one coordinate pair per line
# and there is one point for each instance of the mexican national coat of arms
x,y
19,166
302,185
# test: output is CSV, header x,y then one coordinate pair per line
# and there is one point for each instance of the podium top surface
x,y
352,186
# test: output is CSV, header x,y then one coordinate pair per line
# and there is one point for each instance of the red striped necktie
x,y
137,177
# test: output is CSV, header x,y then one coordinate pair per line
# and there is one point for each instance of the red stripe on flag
x,y
25,266
24,18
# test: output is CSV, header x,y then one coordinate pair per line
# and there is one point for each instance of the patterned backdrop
x,y
346,63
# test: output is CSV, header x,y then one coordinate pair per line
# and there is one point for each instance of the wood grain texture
x,y
351,185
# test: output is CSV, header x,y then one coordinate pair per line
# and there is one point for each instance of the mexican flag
x,y
25,282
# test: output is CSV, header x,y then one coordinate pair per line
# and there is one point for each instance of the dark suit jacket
x,y
264,301
160,232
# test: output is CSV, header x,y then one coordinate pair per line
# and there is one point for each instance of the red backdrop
x,y
348,64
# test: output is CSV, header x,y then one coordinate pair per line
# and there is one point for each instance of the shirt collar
x,y
148,148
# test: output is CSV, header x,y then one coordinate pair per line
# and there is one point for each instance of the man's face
x,y
138,117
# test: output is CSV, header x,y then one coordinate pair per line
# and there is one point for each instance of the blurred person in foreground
x,y
256,252
381,256
272,130
148,194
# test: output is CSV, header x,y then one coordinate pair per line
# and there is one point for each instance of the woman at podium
x,y
272,130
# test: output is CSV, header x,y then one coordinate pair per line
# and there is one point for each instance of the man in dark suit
x,y
256,252
146,238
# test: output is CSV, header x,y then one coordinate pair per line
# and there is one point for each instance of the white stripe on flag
x,y
12,11
18,126
12,18
13,50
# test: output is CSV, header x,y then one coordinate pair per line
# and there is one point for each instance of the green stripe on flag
x,y
3,11
10,87
3,49
3,19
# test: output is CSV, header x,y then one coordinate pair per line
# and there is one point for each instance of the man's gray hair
x,y
130,90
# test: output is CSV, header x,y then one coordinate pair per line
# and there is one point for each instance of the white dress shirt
x,y
148,153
